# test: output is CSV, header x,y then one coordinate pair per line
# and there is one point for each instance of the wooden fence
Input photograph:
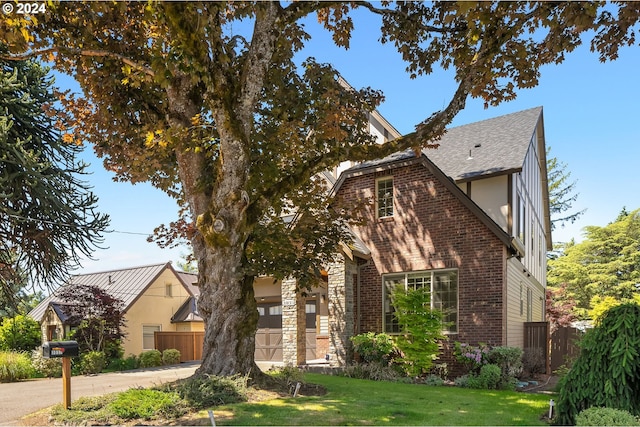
x,y
188,343
564,347
536,340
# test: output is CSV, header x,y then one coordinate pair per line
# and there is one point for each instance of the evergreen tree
x,y
47,213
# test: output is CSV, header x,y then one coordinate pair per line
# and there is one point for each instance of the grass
x,y
348,401
362,402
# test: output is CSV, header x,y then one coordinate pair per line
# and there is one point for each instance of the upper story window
x,y
384,197
168,290
520,218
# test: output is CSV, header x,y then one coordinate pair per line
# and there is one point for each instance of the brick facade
x,y
430,229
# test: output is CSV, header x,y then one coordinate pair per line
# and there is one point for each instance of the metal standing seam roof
x,y
125,284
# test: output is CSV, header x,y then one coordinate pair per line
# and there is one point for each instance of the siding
x,y
515,320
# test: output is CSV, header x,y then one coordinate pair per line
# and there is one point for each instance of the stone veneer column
x,y
294,344
340,293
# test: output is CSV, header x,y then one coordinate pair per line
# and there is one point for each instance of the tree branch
x,y
81,52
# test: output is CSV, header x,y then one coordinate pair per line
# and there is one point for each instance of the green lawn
x,y
361,402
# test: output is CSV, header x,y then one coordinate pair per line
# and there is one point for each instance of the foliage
x,y
207,391
92,362
48,215
607,372
227,117
471,357
120,364
49,367
605,263
533,360
84,408
509,359
561,192
150,359
600,305
433,380
287,375
97,315
15,366
372,347
373,371
595,416
148,404
559,307
20,333
420,329
171,356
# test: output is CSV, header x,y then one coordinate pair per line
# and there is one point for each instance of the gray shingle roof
x,y
126,284
487,147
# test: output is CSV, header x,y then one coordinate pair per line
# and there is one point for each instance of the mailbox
x,y
55,349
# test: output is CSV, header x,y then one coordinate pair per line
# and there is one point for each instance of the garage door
x,y
269,334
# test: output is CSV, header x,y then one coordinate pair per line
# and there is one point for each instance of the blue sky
x,y
591,117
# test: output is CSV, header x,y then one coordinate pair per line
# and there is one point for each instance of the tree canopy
x,y
605,264
48,217
561,192
205,101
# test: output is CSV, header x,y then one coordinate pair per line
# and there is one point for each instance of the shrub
x,y
148,404
92,362
151,358
533,360
15,366
606,372
171,356
374,348
471,357
207,391
433,380
373,371
509,359
287,375
420,329
129,363
50,368
20,333
605,417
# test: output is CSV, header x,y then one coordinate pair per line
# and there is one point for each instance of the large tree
x,y
48,217
207,101
561,193
605,264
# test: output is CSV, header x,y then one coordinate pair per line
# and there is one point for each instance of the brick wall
x,y
430,229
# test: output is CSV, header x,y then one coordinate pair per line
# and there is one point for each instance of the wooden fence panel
x,y
564,347
188,343
536,338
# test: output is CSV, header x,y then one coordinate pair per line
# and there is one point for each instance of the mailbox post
x,y
65,350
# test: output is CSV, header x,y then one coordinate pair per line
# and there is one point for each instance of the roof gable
x,y
489,147
126,284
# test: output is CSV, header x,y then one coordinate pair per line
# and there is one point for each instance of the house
x,y
470,220
156,298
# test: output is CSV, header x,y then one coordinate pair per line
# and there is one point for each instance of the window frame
x,y
452,329
388,199
157,328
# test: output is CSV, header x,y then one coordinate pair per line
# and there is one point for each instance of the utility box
x,y
56,349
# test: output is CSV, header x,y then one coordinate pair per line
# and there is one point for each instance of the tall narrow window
x,y
168,290
148,340
384,197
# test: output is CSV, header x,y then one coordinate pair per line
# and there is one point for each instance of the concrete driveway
x,y
26,397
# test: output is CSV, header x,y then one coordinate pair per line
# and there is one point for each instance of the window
x,y
148,340
384,197
529,304
168,290
443,286
520,218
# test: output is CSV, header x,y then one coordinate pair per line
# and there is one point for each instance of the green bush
x,y
148,404
433,380
509,359
607,371
373,371
92,362
151,358
207,391
127,364
374,348
15,366
20,333
595,416
287,375
50,368
171,356
420,329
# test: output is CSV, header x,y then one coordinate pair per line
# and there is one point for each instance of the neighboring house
x,y
156,298
470,220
